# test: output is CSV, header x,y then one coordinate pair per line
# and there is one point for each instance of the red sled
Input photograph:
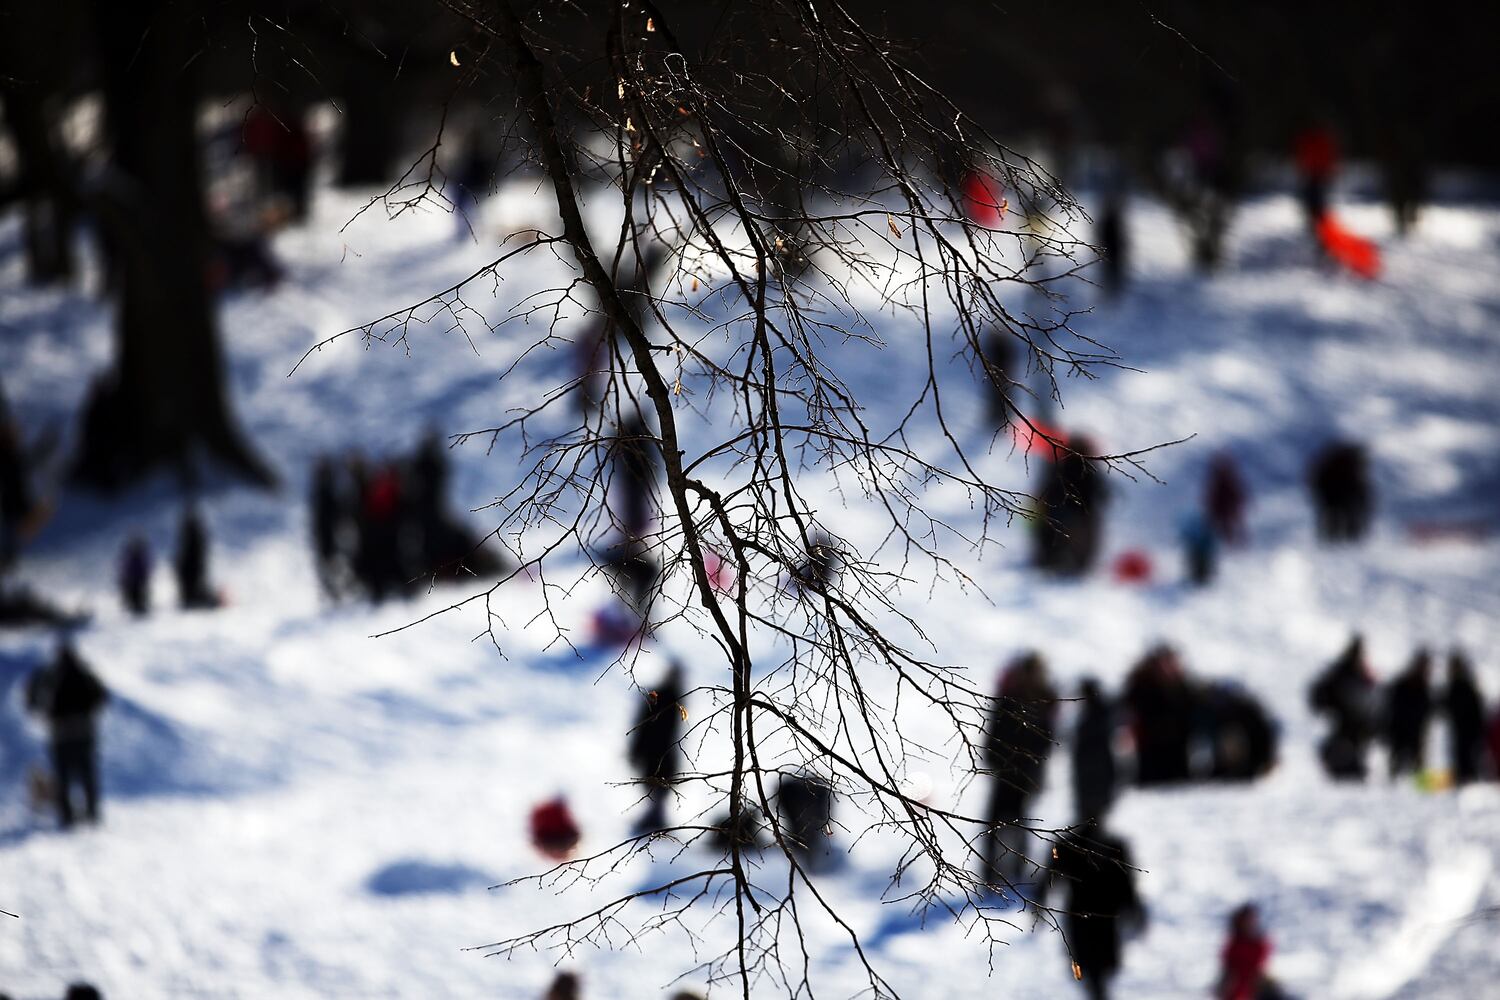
x,y
1037,438
984,200
554,831
1356,253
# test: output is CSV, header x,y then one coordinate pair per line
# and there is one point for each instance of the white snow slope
x,y
296,809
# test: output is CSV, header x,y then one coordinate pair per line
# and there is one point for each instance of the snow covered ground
x,y
296,809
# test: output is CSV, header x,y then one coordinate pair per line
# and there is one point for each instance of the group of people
x,y
1360,713
1168,714
383,528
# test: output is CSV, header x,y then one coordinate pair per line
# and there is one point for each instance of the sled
x,y
1355,253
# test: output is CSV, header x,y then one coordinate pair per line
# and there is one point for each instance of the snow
x,y
295,808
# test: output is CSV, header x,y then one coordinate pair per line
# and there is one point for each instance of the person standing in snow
x,y
1345,691
1225,498
1463,703
1160,703
68,695
1069,528
1316,154
191,562
1342,493
565,987
1408,710
655,746
1242,963
1018,740
1103,905
330,517
135,576
1094,771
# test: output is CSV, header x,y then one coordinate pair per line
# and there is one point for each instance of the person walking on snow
x,y
68,695
1408,710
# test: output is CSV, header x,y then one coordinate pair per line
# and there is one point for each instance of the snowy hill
x,y
296,809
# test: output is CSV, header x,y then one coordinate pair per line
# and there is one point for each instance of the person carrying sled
x,y
68,695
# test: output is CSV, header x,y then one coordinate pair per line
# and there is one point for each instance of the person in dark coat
x,y
655,746
1001,368
1463,703
1094,770
636,464
1113,241
1161,707
1408,711
135,576
330,517
380,521
1345,692
1342,493
805,804
1018,740
565,987
1225,498
1102,904
1069,528
191,562
68,695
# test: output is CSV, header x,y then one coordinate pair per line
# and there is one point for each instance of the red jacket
x,y
1244,962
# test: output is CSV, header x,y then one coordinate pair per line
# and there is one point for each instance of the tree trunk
x,y
165,404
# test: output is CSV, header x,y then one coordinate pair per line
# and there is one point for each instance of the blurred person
x,y
279,145
1072,500
805,803
1243,960
191,562
1094,769
82,991
135,575
1161,706
378,558
821,567
331,519
1463,704
68,695
1001,368
1345,692
656,745
1200,551
1018,741
1342,493
565,986
471,183
1225,499
1113,240
1315,153
1408,711
635,471
1102,907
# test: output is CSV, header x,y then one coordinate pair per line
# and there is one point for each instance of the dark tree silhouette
x,y
164,404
